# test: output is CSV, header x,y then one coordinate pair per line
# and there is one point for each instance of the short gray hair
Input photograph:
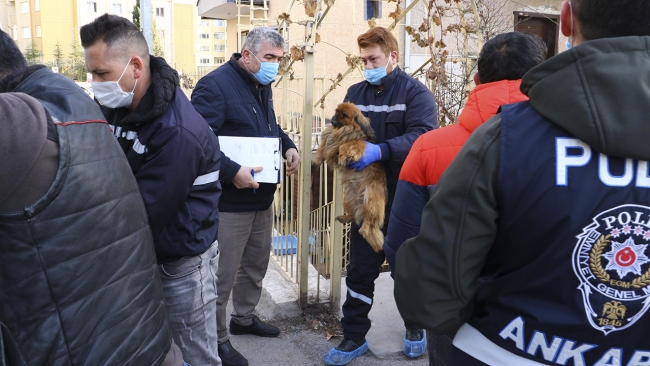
x,y
260,35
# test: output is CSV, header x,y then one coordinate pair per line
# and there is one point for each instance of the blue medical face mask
x,y
268,71
374,76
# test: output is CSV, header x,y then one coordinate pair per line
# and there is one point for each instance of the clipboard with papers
x,y
255,151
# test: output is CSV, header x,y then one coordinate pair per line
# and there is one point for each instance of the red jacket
x,y
432,153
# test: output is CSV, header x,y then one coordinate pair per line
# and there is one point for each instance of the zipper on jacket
x,y
267,122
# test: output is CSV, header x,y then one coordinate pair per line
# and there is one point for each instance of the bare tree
x,y
453,32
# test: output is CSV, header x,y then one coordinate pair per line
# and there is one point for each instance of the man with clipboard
x,y
236,100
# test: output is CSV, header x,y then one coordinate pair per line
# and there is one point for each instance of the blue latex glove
x,y
372,154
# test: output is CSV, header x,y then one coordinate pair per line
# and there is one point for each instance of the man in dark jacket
x,y
175,159
236,100
400,109
535,243
79,283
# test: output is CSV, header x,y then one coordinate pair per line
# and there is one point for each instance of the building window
x,y
24,7
219,35
372,9
92,6
204,36
219,60
160,12
204,23
37,5
219,23
38,31
204,61
116,8
204,48
219,48
27,32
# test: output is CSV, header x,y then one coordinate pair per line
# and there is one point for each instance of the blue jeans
x,y
190,291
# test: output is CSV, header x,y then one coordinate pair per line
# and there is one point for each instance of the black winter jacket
x,y
79,284
175,159
234,106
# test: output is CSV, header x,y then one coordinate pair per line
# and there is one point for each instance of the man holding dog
x,y
535,247
400,109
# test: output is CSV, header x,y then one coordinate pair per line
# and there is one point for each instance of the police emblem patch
x,y
611,261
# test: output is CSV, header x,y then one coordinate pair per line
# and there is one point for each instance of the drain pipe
x,y
407,41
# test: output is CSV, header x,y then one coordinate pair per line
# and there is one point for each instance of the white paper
x,y
255,151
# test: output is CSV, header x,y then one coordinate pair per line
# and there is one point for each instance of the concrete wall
x,y
183,38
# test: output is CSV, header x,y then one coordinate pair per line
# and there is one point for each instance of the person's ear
x,y
138,66
477,79
246,56
565,19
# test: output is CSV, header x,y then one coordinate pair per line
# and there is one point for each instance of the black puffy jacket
x,y
79,284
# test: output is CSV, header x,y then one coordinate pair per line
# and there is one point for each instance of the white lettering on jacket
x,y
565,161
560,351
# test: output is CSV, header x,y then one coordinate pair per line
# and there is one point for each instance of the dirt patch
x,y
317,317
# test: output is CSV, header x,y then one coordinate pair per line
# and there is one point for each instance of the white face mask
x,y
111,95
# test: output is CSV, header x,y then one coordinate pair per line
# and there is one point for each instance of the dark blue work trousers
x,y
363,270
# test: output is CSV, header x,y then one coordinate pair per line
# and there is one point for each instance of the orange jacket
x,y
432,153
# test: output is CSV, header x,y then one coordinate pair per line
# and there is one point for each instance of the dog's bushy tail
x,y
373,236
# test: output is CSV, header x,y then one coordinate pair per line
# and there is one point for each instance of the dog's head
x,y
348,115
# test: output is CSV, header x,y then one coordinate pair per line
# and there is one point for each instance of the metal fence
x,y
309,244
327,243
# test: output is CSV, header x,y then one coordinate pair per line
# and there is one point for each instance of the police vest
x,y
583,221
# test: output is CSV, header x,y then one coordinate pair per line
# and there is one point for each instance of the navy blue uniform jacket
x,y
234,106
175,160
398,114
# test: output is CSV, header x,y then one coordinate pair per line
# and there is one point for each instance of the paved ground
x,y
306,347
304,339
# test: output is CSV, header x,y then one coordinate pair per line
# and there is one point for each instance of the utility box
x,y
544,23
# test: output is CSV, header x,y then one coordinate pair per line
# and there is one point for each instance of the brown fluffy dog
x,y
365,191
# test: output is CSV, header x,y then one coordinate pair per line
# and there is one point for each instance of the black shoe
x,y
345,352
414,334
230,356
258,328
348,345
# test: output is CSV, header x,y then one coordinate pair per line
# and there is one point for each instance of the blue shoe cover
x,y
336,357
414,349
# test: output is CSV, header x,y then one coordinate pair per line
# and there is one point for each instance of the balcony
x,y
226,9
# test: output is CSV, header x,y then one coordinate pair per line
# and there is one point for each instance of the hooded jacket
x,y
79,284
229,99
432,153
175,159
537,233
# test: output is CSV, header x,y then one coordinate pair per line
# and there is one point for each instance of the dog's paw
x,y
344,219
344,160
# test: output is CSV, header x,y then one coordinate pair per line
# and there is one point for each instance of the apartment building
x,y
347,19
187,42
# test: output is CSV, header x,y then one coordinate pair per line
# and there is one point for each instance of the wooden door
x,y
546,27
